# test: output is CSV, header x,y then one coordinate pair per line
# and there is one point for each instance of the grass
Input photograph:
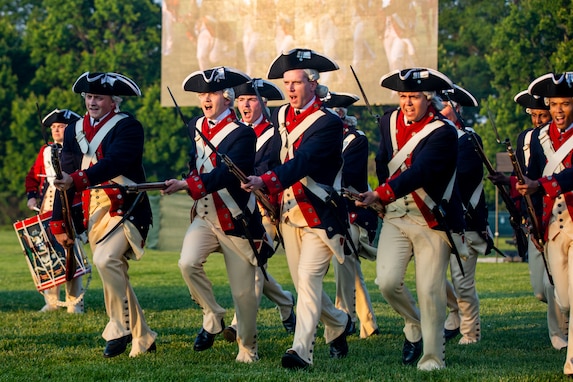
x,y
58,346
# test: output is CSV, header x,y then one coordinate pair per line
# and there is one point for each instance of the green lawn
x,y
39,346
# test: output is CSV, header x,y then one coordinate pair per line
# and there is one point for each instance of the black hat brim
x,y
460,96
300,59
552,85
416,80
213,80
265,88
530,101
340,100
106,84
60,116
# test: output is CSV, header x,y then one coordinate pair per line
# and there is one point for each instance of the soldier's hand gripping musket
x,y
533,227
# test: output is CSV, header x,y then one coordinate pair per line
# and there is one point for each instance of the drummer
x,y
40,191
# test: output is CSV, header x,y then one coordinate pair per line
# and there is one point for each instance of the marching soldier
x,y
224,217
308,148
416,164
40,188
106,147
251,110
549,175
351,292
464,314
557,322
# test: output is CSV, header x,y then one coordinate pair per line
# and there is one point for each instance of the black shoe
x,y
116,347
230,334
352,329
450,334
411,352
290,322
205,339
291,360
152,348
339,347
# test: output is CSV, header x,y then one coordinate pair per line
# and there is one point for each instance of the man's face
x,y
299,89
539,117
98,105
58,129
414,105
561,109
213,104
249,107
449,112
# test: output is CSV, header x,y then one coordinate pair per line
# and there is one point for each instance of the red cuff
x,y
272,182
57,227
81,181
386,193
551,186
196,187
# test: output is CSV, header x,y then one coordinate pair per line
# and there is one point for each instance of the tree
x,y
465,31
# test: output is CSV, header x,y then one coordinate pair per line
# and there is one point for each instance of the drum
x,y
45,256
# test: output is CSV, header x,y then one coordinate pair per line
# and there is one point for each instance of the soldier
x,y
415,164
557,322
351,292
549,175
464,314
308,146
543,289
252,115
106,147
224,217
40,188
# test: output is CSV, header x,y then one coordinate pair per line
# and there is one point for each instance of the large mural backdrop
x,y
374,37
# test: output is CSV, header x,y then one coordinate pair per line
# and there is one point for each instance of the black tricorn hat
x,y
552,85
416,80
265,88
60,116
339,99
529,101
106,84
214,79
460,95
300,59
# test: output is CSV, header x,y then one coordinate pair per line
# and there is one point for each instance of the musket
x,y
259,194
440,216
243,179
376,206
68,223
260,99
479,149
534,227
134,188
273,213
514,214
377,116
